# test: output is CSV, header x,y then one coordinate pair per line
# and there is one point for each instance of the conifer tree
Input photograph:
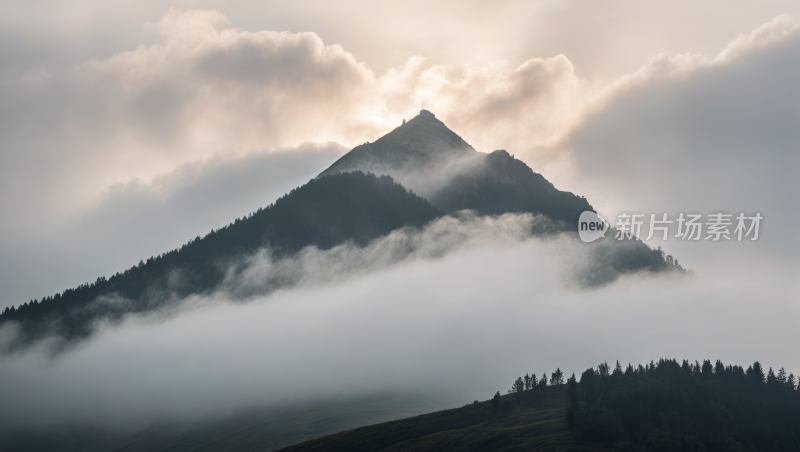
x,y
603,370
543,385
781,378
707,369
557,378
572,394
771,379
629,370
758,372
617,370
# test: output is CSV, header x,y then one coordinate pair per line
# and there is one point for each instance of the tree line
x,y
672,406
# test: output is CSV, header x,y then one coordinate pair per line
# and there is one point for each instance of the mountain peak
x,y
426,156
419,143
426,113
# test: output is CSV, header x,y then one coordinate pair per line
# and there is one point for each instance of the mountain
x,y
325,212
346,202
432,160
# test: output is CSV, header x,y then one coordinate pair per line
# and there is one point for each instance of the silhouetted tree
x,y
686,369
617,370
517,388
572,394
543,386
719,368
588,383
557,378
781,378
603,370
771,379
707,370
758,372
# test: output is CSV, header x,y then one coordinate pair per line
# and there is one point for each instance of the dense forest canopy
x,y
671,406
324,212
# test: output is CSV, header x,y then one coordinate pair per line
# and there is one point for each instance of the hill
x,y
477,426
254,428
661,406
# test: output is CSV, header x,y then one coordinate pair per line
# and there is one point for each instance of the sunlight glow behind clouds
x,y
205,89
114,151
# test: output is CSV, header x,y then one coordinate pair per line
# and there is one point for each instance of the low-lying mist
x,y
460,308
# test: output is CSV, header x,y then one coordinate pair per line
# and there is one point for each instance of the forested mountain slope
x,y
325,212
345,202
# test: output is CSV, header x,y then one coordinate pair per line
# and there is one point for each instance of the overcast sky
x,y
127,128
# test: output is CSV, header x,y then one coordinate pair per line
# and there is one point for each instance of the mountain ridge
x,y
426,156
324,213
422,140
418,172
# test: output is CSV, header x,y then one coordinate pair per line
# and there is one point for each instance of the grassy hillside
x,y
272,429
475,427
251,429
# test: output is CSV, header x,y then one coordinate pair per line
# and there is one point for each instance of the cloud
x,y
201,91
204,90
465,316
493,101
251,86
689,133
684,132
134,220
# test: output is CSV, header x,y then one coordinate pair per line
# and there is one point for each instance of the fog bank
x,y
464,322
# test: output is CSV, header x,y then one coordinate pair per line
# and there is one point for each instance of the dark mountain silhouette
x,y
427,157
346,202
325,212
